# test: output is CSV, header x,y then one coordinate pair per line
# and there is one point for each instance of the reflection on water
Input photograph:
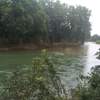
x,y
91,60
86,53
80,60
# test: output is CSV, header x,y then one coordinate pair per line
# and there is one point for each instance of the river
x,y
91,57
82,59
78,60
87,55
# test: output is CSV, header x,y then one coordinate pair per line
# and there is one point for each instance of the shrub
x,y
89,87
39,82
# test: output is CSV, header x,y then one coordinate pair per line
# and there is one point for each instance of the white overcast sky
x,y
94,6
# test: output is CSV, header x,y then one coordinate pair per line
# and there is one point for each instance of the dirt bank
x,y
36,47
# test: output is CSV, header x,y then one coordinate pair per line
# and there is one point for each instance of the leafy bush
x,y
39,82
89,87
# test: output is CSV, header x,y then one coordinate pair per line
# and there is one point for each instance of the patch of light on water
x,y
91,60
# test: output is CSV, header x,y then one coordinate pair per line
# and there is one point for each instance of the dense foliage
x,y
95,38
42,21
39,82
89,87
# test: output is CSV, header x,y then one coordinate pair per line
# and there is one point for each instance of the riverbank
x,y
34,47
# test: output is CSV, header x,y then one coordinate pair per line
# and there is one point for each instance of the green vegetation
x,y
38,82
41,81
42,22
89,86
98,41
95,38
68,65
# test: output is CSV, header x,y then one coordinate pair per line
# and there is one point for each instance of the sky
x,y
94,6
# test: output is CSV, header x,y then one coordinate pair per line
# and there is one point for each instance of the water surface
x,y
77,60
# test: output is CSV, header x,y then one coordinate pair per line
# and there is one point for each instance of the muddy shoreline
x,y
33,47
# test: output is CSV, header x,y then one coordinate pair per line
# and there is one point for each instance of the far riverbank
x,y
35,47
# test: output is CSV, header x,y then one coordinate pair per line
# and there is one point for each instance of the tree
x,y
95,38
66,23
42,21
23,21
79,22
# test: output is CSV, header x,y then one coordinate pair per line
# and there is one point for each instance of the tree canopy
x,y
42,21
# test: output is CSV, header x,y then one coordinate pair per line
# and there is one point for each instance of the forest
x,y
42,22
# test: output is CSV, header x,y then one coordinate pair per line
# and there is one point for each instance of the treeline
x,y
95,38
42,21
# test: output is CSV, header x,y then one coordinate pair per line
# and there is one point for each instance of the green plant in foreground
x,y
39,82
89,88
